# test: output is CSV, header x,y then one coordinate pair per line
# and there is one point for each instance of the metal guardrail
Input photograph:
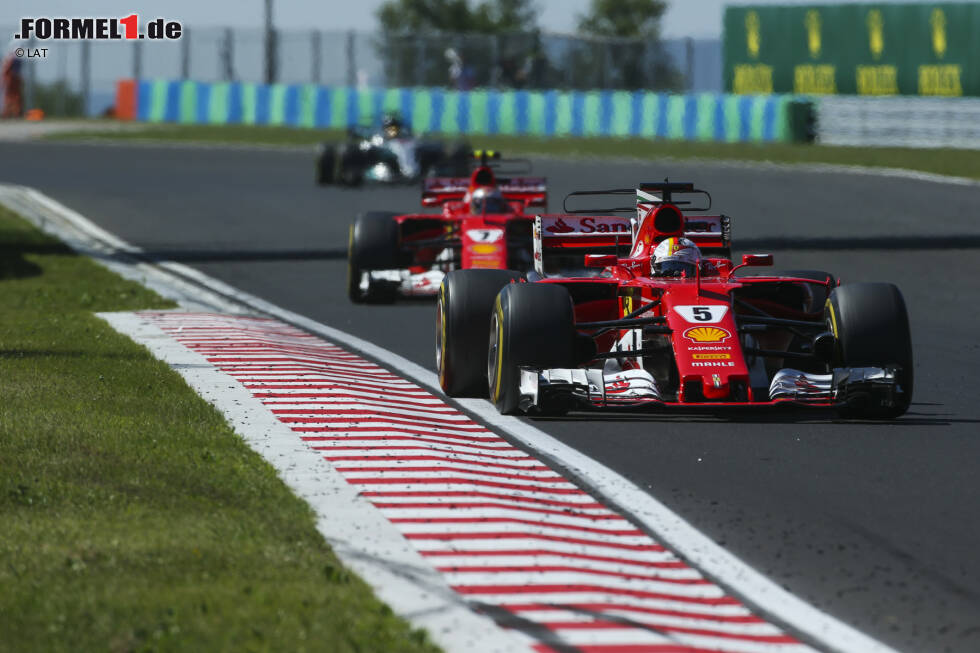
x,y
898,121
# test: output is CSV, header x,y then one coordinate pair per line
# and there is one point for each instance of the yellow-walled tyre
x,y
532,324
871,325
462,311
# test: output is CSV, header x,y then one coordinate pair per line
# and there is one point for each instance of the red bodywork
x,y
700,337
458,238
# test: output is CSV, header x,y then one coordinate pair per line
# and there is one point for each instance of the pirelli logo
x,y
712,357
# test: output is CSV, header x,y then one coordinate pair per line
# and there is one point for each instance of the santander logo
x,y
560,227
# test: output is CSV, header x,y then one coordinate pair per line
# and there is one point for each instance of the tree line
x,y
499,43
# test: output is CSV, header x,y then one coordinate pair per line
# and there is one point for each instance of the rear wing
x,y
562,241
532,191
439,190
711,233
502,166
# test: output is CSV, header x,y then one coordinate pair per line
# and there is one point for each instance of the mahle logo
x,y
938,22
876,33
753,38
813,41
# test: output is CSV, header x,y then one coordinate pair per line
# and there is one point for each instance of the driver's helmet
x,y
675,257
391,126
488,200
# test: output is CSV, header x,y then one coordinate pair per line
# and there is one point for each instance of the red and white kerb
x,y
517,539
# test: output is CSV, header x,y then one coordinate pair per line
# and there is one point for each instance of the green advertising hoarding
x,y
861,49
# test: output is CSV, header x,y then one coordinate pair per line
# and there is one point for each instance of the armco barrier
x,y
702,117
899,121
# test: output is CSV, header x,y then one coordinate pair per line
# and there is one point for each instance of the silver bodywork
x,y
405,151
636,387
409,284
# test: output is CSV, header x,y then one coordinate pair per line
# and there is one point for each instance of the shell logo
x,y
707,334
485,249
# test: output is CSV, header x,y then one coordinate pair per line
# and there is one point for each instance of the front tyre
x,y
351,165
326,165
532,324
466,299
372,245
871,325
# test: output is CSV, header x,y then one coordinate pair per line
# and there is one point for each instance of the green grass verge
x,y
132,518
961,163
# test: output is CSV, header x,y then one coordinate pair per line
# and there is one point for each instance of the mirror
x,y
600,260
757,260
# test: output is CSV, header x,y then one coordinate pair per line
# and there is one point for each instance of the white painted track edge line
x,y
747,583
392,566
360,535
85,237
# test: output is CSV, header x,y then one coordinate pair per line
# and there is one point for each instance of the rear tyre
x,y
871,325
373,245
463,310
532,324
326,165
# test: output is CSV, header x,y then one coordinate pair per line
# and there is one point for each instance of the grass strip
x,y
132,518
948,161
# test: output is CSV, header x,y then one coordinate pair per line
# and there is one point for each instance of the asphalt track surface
x,y
877,523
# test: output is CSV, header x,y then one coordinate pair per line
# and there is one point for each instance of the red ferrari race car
x,y
483,223
651,311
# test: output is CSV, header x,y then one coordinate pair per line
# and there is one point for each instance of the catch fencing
x,y
701,116
82,74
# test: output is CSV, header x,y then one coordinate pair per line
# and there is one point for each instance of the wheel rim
x,y
440,342
492,355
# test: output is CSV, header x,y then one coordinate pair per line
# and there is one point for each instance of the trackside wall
x,y
695,117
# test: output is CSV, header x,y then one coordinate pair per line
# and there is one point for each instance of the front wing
x,y
594,388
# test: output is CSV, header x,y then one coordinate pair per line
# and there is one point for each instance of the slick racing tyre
x,y
532,324
871,325
373,245
463,310
326,165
